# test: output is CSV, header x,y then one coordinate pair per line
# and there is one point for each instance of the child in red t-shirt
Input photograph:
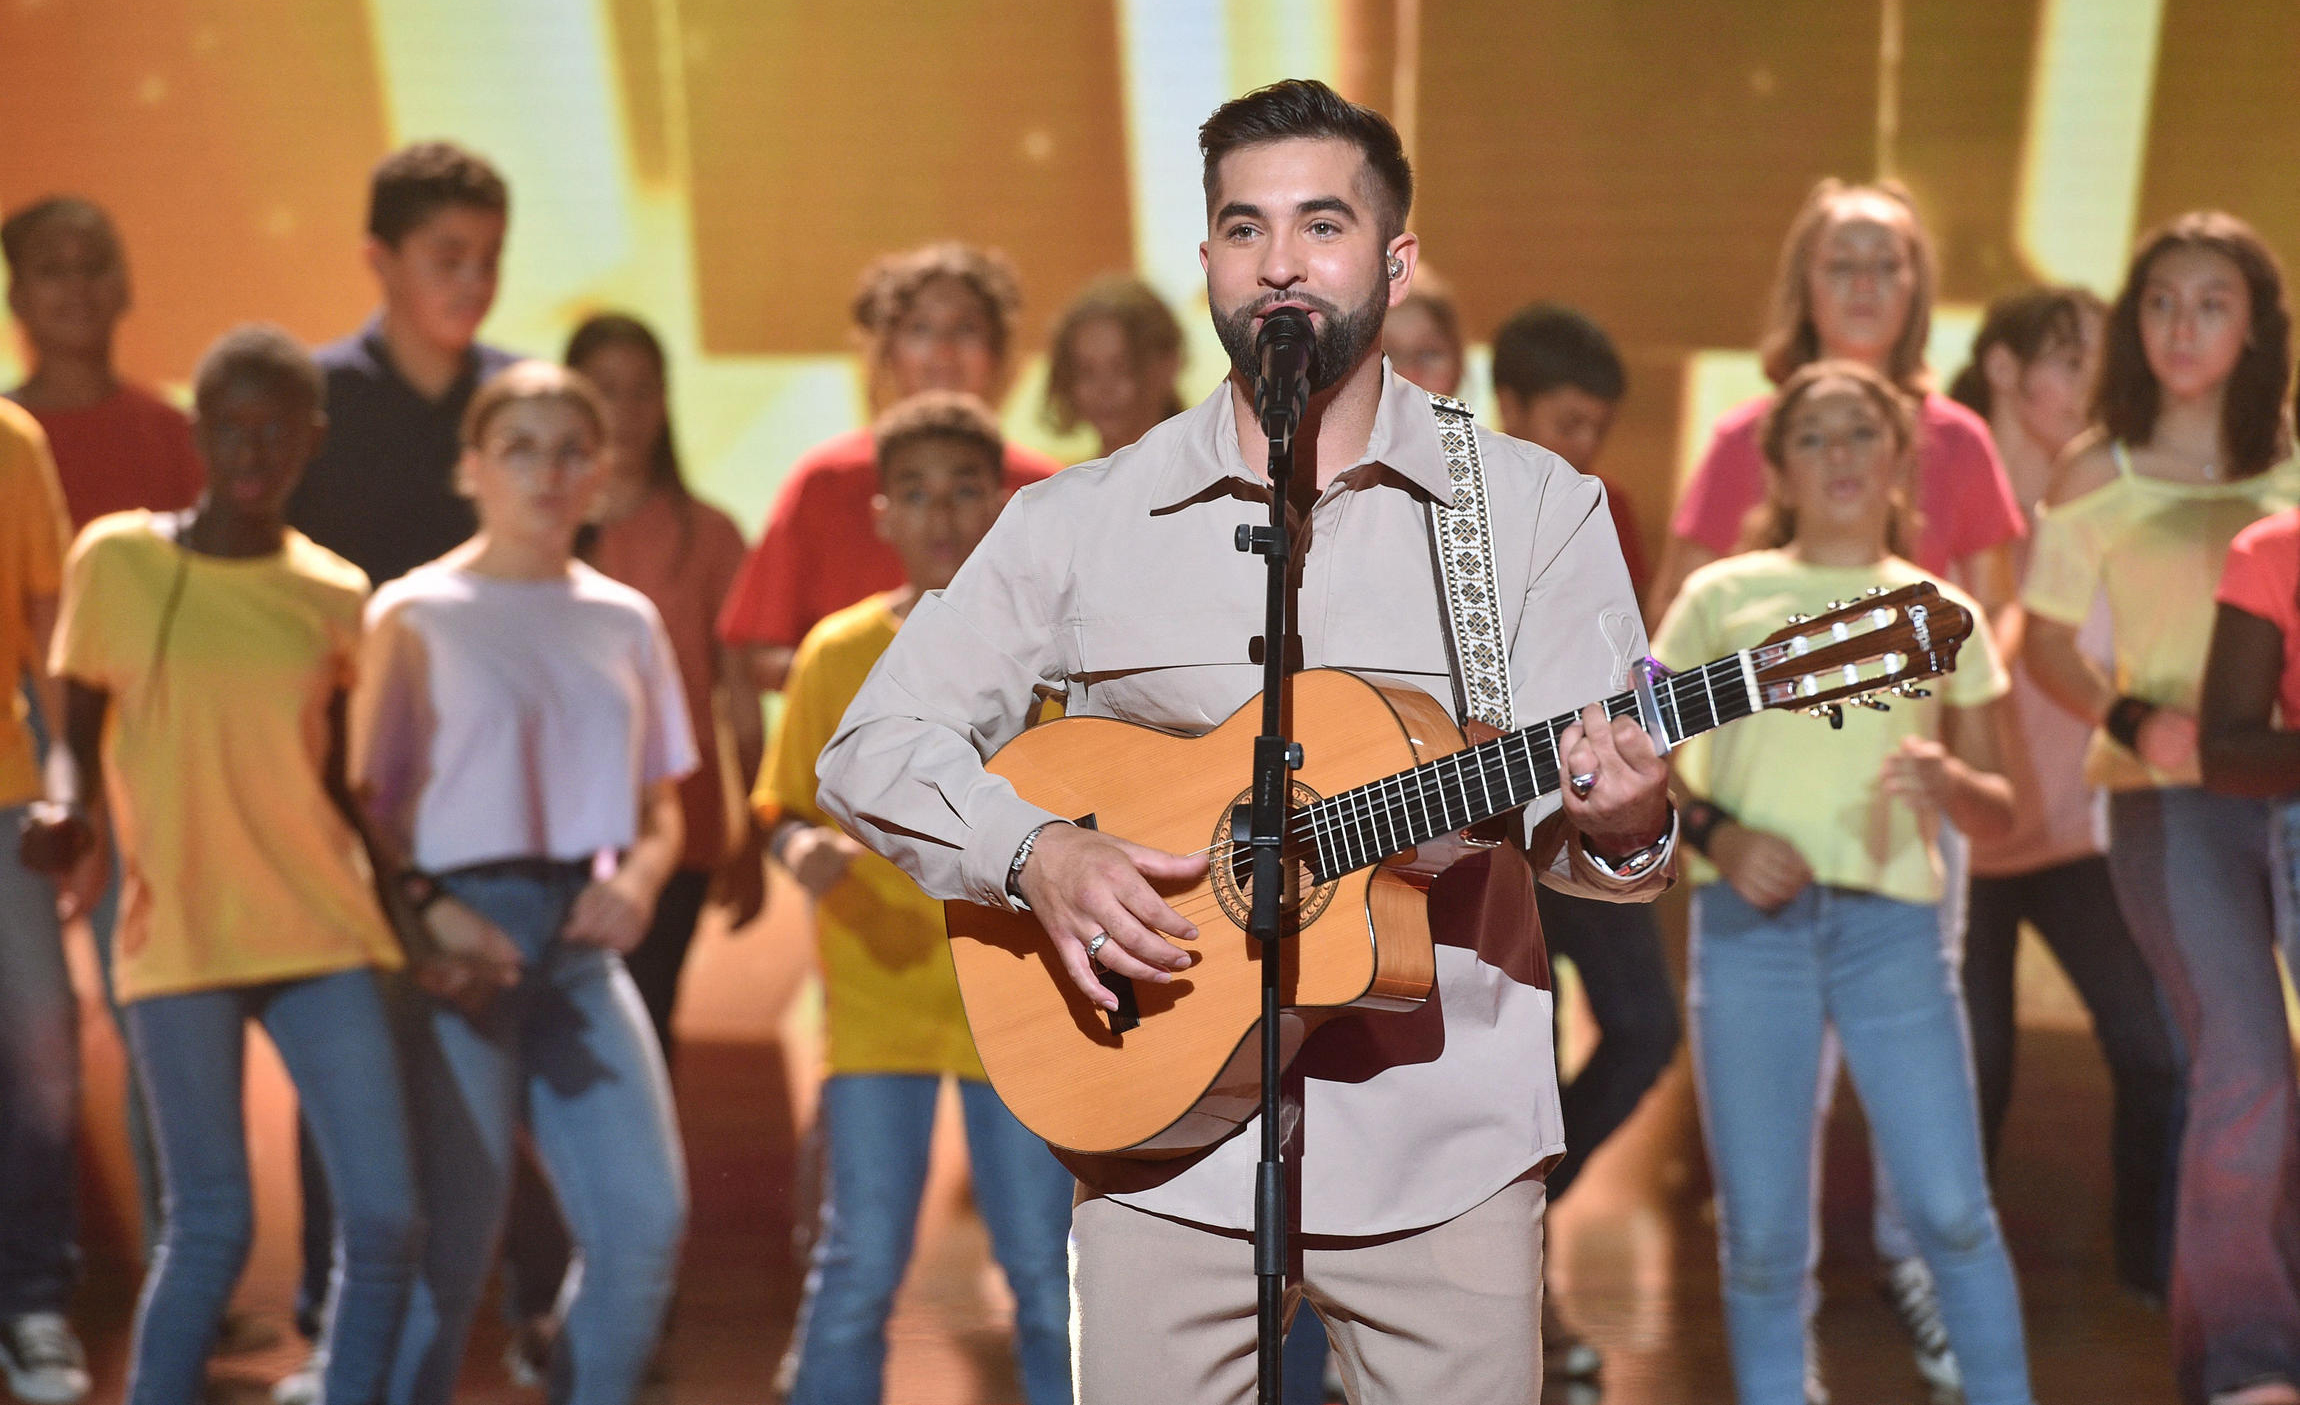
x,y
117,446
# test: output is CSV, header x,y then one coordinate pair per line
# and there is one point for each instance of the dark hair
x,y
892,283
602,330
939,414
1434,296
524,381
2028,324
1549,345
416,182
2252,413
1790,338
1143,318
1306,108
1773,522
261,353
26,225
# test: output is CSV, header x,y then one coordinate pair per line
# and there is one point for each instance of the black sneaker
x,y
42,1359
1907,1287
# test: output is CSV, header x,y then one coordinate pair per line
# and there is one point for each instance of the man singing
x,y
1422,1136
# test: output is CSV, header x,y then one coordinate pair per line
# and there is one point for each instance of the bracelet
x,y
1699,820
1021,857
779,838
2126,716
420,889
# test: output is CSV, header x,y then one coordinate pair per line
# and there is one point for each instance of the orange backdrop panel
x,y
231,139
823,136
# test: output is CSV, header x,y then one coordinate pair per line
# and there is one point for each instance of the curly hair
x,y
939,414
2252,420
1790,339
1149,326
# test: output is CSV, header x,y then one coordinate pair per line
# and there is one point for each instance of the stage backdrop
x,y
726,167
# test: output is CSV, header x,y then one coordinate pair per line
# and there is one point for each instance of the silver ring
x,y
1584,783
1094,948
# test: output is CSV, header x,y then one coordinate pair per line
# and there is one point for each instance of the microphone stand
x,y
1271,918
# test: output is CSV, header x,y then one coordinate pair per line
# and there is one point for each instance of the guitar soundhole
x,y
1232,869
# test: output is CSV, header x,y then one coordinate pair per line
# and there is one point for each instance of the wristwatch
x,y
1637,863
1014,869
420,889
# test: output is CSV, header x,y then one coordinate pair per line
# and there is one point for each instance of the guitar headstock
x,y
1886,642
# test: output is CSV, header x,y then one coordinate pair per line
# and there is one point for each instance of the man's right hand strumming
x,y
1082,884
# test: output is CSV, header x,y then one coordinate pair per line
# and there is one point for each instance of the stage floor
x,y
1634,1248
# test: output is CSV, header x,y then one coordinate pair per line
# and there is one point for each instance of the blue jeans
x,y
2196,877
39,1090
879,1127
334,1035
1765,988
570,1050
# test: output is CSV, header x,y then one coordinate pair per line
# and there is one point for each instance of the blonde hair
x,y
1791,340
1773,522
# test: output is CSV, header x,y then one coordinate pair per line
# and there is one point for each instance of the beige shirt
x,y
1119,580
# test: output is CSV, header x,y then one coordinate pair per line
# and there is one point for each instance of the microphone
x,y
1286,347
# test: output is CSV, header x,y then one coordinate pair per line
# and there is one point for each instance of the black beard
x,y
1342,337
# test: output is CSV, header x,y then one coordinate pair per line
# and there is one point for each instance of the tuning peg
x,y
1876,590
1911,690
1839,604
1800,619
1872,702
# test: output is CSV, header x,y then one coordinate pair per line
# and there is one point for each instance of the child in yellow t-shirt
x,y
895,1025
206,658
1821,910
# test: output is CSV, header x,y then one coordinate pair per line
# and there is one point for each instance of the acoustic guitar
x,y
1388,789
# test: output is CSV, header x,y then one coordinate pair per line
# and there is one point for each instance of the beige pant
x,y
1162,1312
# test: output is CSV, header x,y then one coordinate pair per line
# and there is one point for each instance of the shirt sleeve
x,y
1729,482
904,771
1578,634
667,750
391,718
2063,566
764,604
814,698
1980,509
2262,577
1980,676
81,648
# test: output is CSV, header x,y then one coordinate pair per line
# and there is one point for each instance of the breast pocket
x,y
1183,671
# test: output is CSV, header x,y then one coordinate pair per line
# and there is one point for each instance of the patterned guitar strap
x,y
1461,537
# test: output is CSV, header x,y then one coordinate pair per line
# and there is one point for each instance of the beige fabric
x,y
1161,1311
1119,581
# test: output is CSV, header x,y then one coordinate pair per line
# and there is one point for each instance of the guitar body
x,y
1189,1071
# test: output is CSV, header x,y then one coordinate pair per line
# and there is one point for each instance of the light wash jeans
x,y
1764,989
570,1050
39,1090
334,1034
878,1127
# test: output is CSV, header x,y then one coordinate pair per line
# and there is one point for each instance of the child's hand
x,y
613,914
1763,868
464,958
2167,740
818,856
1918,772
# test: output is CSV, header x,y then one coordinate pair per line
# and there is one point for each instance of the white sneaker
x,y
1907,1286
42,1359
306,1383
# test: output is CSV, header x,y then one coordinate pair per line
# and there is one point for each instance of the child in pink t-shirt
x,y
1856,283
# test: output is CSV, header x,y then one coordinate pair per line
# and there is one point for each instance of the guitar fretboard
x,y
1348,831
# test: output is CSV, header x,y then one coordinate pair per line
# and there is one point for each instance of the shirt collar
x,y
458,391
1404,440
